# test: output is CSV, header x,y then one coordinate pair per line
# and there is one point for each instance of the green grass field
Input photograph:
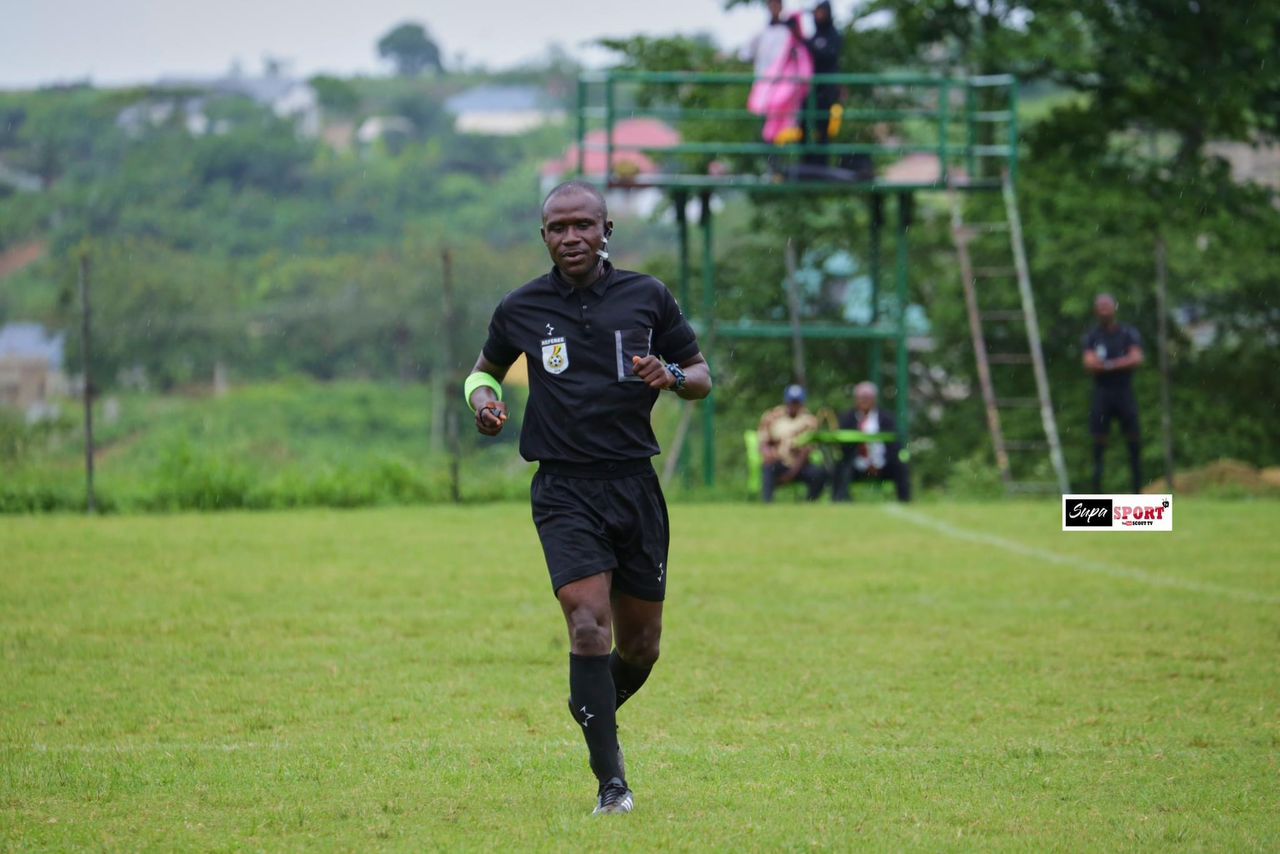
x,y
944,677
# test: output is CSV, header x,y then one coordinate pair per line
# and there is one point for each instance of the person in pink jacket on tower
x,y
780,93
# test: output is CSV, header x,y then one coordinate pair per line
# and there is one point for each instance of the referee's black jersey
x,y
1112,343
585,404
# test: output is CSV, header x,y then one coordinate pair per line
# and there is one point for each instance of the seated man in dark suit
x,y
870,460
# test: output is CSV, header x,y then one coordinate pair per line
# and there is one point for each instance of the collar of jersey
x,y
598,287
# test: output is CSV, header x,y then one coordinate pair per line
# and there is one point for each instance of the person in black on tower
x,y
824,46
602,344
1112,351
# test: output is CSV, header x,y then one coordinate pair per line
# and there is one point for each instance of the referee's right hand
x,y
490,417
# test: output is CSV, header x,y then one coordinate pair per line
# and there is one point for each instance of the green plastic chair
x,y
755,463
876,492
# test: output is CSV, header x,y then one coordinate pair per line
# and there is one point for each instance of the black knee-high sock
x,y
627,678
1135,464
1099,452
594,706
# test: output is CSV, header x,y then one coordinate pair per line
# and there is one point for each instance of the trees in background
x,y
1108,174
259,249
411,49
1200,71
335,94
1114,161
273,254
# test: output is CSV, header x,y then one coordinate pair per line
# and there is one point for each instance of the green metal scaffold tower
x,y
966,128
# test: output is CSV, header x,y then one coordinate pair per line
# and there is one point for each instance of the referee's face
x,y
573,227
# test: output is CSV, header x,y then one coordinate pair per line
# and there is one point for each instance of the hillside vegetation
x,y
265,253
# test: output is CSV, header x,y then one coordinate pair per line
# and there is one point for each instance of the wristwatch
x,y
678,374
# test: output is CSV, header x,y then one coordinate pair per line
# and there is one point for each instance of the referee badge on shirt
x,y
555,355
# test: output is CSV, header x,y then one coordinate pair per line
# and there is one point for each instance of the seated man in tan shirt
x,y
785,459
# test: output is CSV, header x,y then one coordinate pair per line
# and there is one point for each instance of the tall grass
x,y
288,444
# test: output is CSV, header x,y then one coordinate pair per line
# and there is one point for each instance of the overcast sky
x,y
129,41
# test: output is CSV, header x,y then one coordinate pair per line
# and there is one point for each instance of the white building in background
x,y
31,369
1256,163
503,110
163,109
384,129
16,179
290,99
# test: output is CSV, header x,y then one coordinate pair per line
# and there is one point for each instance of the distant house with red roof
x,y
630,136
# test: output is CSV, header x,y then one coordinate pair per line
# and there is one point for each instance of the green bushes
x,y
188,478
279,445
192,479
30,496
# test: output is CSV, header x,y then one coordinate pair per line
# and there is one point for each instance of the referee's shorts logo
x,y
1117,512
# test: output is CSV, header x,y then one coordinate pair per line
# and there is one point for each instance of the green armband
x,y
477,380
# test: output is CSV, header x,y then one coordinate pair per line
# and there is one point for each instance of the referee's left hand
x,y
653,372
491,417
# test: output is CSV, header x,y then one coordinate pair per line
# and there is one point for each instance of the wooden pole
x,y
962,236
1162,333
708,406
876,202
86,314
438,383
447,365
680,451
793,309
676,451
1032,322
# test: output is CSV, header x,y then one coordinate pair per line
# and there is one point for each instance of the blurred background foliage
x,y
310,274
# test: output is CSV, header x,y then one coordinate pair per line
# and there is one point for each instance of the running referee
x,y
602,344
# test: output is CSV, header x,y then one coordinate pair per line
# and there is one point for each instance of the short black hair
x,y
578,187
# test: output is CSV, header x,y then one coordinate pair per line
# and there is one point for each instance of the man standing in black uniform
x,y
602,343
1112,351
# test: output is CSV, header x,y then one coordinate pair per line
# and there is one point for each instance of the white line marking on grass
x,y
161,747
1012,750
1078,563
211,746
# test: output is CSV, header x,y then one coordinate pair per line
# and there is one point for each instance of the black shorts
x,y
1118,403
607,516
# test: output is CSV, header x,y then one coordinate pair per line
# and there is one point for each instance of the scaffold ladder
x,y
991,304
